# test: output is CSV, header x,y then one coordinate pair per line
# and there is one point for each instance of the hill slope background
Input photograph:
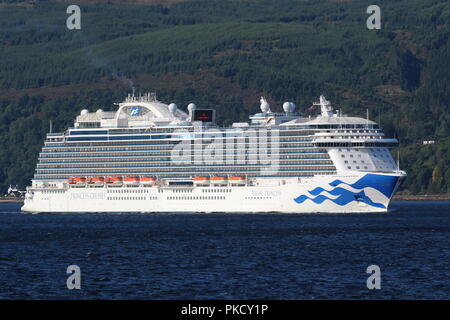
x,y
224,55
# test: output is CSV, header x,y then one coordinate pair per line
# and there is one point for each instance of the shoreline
x,y
11,200
432,197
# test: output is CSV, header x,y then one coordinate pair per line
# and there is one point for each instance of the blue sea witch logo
x,y
384,184
135,111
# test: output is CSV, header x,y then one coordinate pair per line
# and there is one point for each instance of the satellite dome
x,y
289,107
265,106
99,111
191,107
172,107
84,111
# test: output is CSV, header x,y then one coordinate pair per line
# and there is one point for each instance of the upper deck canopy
x,y
142,110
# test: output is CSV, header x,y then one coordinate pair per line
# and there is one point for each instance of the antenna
x,y
325,106
398,158
367,118
51,126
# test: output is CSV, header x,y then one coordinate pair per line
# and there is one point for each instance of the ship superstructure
x,y
148,156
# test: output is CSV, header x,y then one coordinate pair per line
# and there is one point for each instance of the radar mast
x,y
325,107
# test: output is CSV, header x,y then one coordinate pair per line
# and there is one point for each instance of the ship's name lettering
x,y
87,196
267,193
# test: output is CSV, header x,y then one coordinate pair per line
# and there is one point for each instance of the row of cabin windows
x,y
186,164
133,158
357,167
53,191
124,190
216,190
196,198
188,171
59,176
168,143
131,198
354,161
49,152
258,198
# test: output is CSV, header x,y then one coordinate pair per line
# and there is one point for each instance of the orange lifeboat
x,y
80,181
114,180
148,181
95,180
219,180
71,180
237,180
199,180
131,181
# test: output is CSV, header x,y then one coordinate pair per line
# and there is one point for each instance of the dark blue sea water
x,y
227,256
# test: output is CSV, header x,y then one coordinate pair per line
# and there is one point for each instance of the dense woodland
x,y
225,54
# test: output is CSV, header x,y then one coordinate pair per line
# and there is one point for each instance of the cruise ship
x,y
148,156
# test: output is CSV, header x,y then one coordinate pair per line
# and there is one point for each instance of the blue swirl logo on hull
x,y
384,184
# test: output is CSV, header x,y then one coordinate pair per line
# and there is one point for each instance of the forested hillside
x,y
225,54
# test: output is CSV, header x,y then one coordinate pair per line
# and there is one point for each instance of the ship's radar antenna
x,y
289,107
265,106
191,107
172,108
325,106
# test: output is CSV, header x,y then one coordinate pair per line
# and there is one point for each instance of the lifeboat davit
x,y
148,181
114,181
201,181
237,180
219,180
131,181
96,181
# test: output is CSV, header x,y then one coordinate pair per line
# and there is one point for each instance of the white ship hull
x,y
347,193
